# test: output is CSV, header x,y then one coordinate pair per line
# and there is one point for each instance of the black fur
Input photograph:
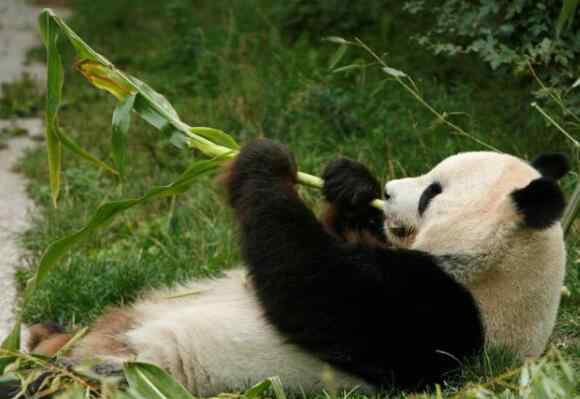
x,y
392,317
350,187
541,203
430,192
553,165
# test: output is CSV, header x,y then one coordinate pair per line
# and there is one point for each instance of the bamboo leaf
x,y
149,104
106,212
217,136
119,139
155,109
56,138
54,149
337,56
105,77
260,389
337,40
149,381
178,139
347,68
394,72
55,79
10,343
73,146
566,17
149,114
82,49
572,209
155,98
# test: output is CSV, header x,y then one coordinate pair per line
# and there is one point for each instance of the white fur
x,y
217,340
515,273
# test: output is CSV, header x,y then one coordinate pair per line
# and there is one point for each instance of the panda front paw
x,y
349,184
260,166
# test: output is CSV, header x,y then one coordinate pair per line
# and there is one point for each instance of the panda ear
x,y
554,165
541,203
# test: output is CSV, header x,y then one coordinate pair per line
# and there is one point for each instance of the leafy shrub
x,y
506,34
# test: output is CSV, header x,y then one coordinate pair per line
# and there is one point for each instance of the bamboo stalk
x,y
572,209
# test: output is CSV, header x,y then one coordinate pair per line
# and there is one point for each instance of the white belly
x,y
218,340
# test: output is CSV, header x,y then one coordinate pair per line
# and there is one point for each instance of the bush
x,y
506,34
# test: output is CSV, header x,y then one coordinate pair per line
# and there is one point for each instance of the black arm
x,y
374,312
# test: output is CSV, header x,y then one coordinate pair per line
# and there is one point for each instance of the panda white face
x,y
459,205
492,221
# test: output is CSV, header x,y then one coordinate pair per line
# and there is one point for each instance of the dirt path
x,y
17,34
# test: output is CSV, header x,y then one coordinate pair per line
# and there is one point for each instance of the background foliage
x,y
508,36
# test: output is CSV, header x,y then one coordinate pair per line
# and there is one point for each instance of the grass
x,y
230,66
21,98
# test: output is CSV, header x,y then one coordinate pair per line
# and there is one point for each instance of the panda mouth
x,y
400,230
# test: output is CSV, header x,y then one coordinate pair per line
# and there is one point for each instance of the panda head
x,y
493,222
467,199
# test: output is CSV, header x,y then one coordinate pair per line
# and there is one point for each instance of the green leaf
x,y
11,343
106,212
149,381
74,392
337,56
260,389
73,146
121,125
178,139
566,368
106,77
149,104
143,107
155,98
394,72
347,68
82,49
55,79
217,136
54,149
337,40
566,17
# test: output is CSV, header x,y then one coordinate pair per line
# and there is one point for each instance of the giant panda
x,y
469,255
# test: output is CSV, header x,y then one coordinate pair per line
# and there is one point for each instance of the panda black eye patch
x,y
430,192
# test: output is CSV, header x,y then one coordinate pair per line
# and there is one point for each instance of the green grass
x,y
231,67
21,98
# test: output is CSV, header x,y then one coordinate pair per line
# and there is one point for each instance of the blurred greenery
x,y
250,69
21,98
